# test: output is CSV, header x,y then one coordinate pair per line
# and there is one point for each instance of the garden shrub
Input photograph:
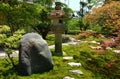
x,y
9,42
83,24
7,71
107,17
13,41
97,29
105,65
4,29
20,15
73,24
85,34
90,36
73,32
50,39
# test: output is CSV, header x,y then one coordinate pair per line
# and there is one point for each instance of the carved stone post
x,y
58,28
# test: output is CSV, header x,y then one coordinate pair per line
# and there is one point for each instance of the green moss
x,y
50,39
94,65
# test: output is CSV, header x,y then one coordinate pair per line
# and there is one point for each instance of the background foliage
x,y
107,17
20,15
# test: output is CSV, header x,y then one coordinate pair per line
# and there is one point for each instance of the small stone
x,y
2,54
68,77
15,54
73,43
98,47
68,58
76,72
89,59
116,51
78,41
72,39
84,41
51,46
73,64
94,42
108,48
65,38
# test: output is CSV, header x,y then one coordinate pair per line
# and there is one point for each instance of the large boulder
x,y
34,55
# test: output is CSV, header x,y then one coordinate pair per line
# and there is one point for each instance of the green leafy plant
x,y
9,41
72,24
102,64
107,17
20,15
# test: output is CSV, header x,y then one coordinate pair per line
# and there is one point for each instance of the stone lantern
x,y
58,28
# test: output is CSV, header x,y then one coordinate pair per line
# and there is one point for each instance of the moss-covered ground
x,y
104,65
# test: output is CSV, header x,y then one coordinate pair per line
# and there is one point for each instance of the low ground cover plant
x,y
95,65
